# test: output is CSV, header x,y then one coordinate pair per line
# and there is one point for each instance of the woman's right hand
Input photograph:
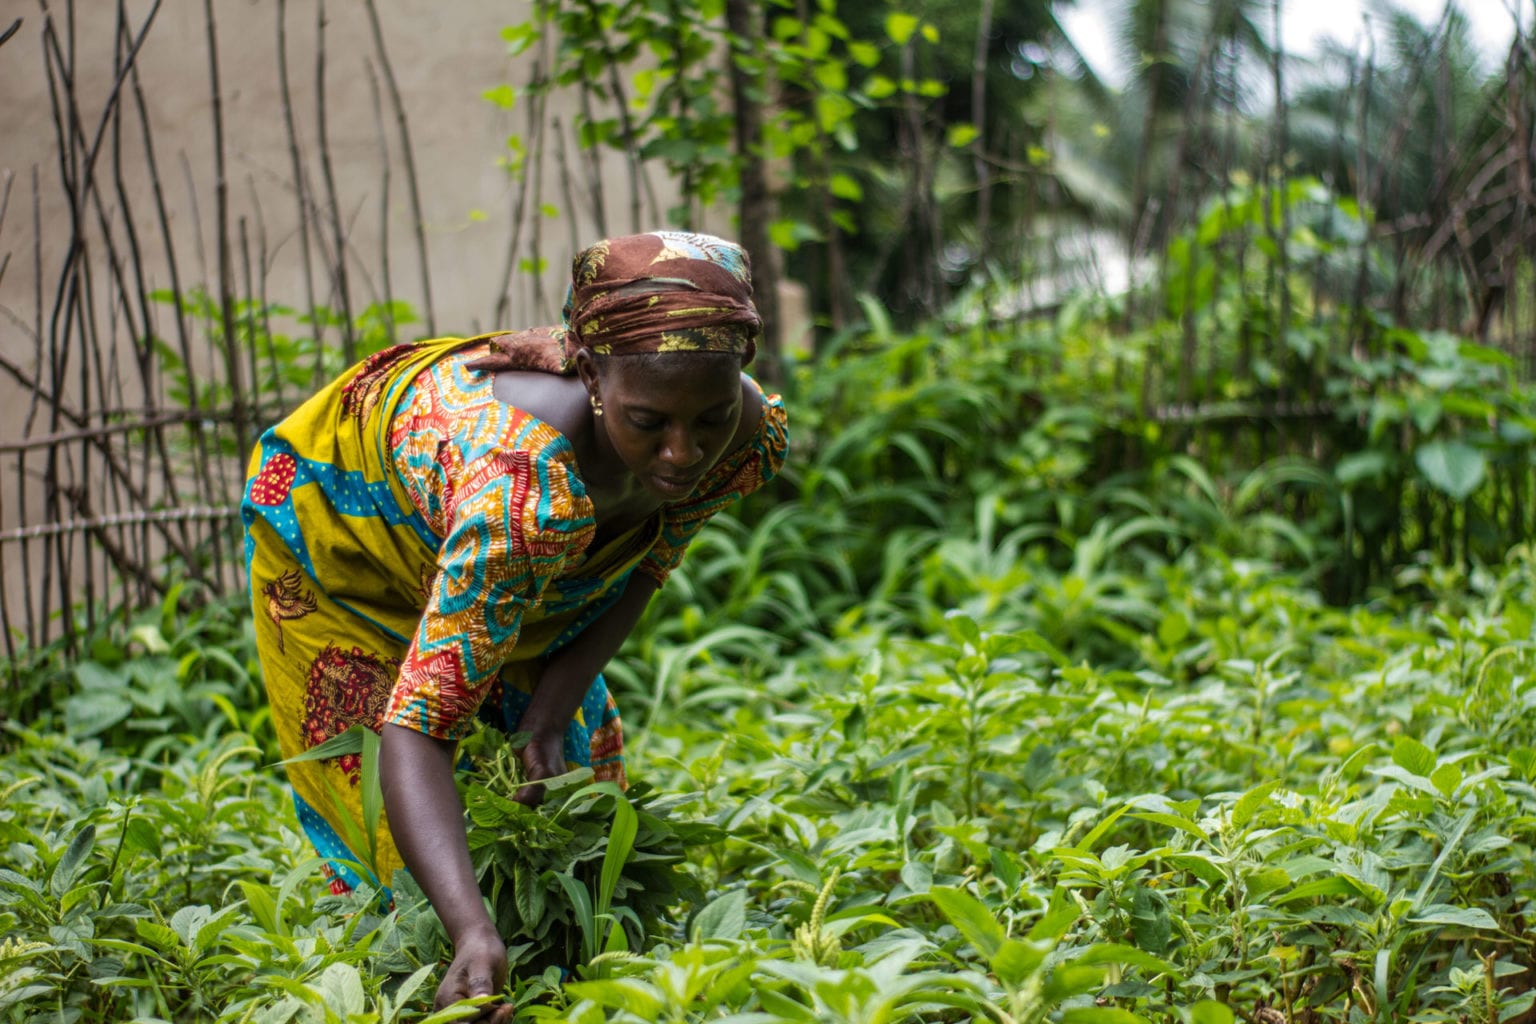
x,y
479,968
427,820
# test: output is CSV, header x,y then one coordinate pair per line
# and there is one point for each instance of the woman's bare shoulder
x,y
560,402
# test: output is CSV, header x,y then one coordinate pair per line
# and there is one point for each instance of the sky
x,y
1302,24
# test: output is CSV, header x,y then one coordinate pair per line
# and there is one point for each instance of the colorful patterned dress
x,y
414,547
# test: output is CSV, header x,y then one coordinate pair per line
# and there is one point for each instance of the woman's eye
x,y
646,424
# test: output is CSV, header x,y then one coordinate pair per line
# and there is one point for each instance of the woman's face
x,y
668,416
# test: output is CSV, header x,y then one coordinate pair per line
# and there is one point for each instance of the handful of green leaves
x,y
593,869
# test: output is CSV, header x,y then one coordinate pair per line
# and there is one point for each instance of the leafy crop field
x,y
1272,810
963,724
1156,655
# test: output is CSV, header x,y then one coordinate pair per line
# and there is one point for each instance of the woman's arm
x,y
427,823
565,679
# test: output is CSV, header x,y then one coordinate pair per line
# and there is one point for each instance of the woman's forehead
x,y
705,378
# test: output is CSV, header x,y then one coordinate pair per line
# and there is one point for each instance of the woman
x,y
470,528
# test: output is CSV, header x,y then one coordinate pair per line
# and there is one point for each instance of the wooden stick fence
x,y
137,407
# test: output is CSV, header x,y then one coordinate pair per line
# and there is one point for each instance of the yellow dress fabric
x,y
414,546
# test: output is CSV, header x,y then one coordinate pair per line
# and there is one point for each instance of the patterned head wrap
x,y
666,291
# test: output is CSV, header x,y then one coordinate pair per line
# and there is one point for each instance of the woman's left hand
x,y
543,758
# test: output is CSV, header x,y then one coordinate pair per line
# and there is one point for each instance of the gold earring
x,y
597,405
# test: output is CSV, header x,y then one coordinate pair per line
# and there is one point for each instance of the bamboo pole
x,y
340,288
408,157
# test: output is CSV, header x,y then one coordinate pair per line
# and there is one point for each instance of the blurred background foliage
x,y
1239,301
1161,472
1236,288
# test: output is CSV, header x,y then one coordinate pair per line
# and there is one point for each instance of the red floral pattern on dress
x,y
362,392
346,689
272,484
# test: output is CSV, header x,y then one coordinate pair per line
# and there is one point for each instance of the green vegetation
x,y
969,726
1159,654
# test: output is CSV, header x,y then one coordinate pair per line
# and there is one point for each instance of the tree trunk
x,y
755,211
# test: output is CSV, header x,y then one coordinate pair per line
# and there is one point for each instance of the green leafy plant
x,y
593,870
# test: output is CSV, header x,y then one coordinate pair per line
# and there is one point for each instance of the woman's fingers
x,y
479,968
543,758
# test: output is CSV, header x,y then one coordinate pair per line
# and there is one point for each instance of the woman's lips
x,y
677,486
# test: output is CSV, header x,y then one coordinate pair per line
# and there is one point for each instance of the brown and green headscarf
x,y
665,291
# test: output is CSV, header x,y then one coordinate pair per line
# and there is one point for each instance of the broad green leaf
x,y
1464,917
504,96
94,711
1072,979
865,54
1060,915
158,935
1356,761
1250,802
961,135
1151,924
1449,847
962,627
1451,467
187,920
1208,1011
1116,953
409,986
633,995
899,27
725,917
581,903
69,862
95,676
1446,777
1173,821
210,930
342,989
1333,885
1100,1015
1407,778
1266,880
527,893
971,918
1017,960
565,780
783,1007
617,940
1413,756
917,876
1005,865
845,186
1356,467
263,907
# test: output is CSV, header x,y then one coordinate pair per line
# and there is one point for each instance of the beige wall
x,y
445,55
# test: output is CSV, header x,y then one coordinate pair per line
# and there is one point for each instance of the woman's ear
x,y
586,369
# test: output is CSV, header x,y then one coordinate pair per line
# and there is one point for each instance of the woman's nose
x,y
681,448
